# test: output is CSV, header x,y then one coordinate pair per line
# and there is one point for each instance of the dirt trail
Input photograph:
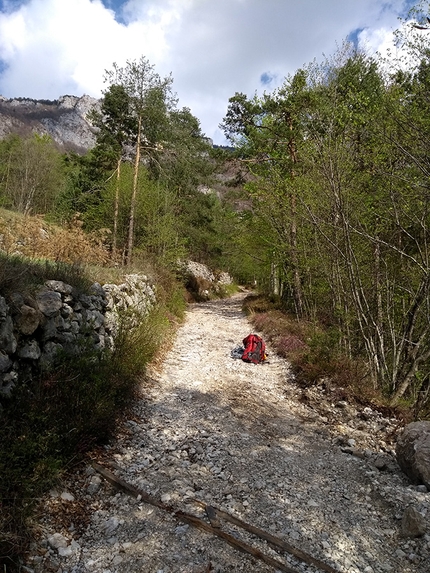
x,y
237,436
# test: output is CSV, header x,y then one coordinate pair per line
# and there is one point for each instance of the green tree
x,y
269,131
339,157
150,99
117,129
31,173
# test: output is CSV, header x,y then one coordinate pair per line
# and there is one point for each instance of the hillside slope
x,y
65,120
34,237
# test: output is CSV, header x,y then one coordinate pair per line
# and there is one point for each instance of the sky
x,y
212,48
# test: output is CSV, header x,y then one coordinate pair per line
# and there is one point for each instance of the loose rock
x,y
241,438
413,523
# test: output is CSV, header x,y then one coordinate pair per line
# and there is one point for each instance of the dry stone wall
x,y
59,319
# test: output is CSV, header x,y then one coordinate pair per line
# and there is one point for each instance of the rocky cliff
x,y
65,120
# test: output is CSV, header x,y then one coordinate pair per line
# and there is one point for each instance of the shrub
x,y
289,345
256,303
312,350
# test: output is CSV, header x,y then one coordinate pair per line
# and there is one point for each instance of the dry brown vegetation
x,y
311,350
34,237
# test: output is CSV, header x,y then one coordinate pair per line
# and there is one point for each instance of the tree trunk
x,y
297,288
128,257
274,278
297,283
116,210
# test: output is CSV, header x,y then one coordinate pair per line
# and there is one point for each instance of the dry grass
x,y
314,354
36,238
33,250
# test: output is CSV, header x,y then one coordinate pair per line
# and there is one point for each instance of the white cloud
x,y
393,56
54,46
212,47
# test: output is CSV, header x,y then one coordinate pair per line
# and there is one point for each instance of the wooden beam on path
x,y
233,541
214,513
215,529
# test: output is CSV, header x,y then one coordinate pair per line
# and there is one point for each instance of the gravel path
x,y
246,439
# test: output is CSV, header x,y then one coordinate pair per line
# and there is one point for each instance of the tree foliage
x,y
339,156
143,176
31,176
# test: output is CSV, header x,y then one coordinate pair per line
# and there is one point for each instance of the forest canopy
x,y
340,159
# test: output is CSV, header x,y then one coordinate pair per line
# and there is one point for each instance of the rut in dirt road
x,y
235,435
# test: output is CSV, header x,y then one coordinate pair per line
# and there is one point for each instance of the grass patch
x,y
227,290
26,275
257,304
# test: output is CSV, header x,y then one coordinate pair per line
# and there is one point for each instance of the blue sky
x,y
213,48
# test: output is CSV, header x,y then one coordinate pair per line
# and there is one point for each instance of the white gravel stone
x,y
57,540
242,438
65,551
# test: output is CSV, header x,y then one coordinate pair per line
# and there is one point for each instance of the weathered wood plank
x,y
215,526
284,545
191,519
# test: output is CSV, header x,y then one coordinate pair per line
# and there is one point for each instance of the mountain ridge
x,y
65,120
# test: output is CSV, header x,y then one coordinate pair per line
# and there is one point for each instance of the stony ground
x,y
319,474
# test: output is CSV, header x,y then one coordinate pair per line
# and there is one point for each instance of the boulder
x,y
49,302
413,523
224,278
413,452
8,341
5,362
197,270
133,299
7,383
201,281
50,353
30,351
4,309
59,286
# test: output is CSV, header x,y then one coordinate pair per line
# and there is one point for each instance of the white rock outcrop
x,y
65,120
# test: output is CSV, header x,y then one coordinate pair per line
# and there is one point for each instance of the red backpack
x,y
255,349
